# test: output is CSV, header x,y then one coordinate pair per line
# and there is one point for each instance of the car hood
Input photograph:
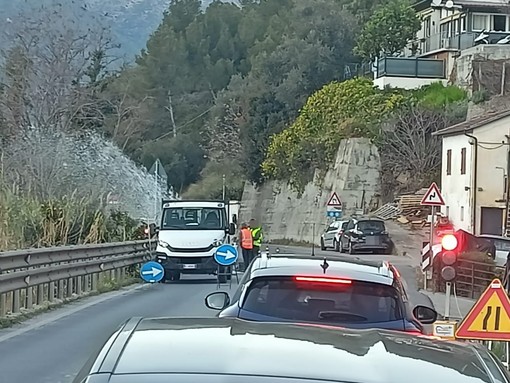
x,y
191,238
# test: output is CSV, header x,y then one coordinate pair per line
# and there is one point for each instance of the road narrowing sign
x,y
334,201
489,318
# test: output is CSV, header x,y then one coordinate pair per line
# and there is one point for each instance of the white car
x,y
331,237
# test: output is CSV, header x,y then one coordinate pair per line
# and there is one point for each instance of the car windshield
x,y
316,300
501,245
193,218
371,226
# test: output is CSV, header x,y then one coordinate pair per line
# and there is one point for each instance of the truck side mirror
x,y
231,229
234,218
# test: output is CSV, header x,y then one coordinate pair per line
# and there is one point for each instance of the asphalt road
x,y
52,347
56,351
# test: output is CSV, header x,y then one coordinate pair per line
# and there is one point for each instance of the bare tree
x,y
223,134
53,56
410,152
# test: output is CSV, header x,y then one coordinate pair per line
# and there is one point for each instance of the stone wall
x,y
286,215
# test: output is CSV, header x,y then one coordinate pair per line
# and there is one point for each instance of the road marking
x,y
66,311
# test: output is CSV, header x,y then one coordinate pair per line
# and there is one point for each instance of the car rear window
x,y
322,300
372,226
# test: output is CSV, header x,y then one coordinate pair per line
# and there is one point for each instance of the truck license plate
x,y
189,266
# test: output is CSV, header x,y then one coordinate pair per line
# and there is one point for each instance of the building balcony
x,y
445,41
409,73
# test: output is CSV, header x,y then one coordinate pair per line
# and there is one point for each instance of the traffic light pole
x,y
447,300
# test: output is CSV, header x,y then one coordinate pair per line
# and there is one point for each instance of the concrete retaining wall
x,y
285,215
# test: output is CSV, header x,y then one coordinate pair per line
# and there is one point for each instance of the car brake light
x,y
323,280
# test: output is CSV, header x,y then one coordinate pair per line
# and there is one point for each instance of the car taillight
x,y
323,280
414,332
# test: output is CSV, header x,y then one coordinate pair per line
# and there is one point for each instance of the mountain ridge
x,y
131,21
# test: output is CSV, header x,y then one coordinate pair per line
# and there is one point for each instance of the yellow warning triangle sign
x,y
489,318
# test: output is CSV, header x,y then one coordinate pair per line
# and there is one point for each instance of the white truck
x,y
189,234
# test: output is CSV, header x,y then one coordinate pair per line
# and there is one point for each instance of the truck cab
x,y
189,235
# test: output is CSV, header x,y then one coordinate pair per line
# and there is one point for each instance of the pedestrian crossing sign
x,y
489,318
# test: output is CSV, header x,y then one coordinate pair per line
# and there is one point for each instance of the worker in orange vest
x,y
246,241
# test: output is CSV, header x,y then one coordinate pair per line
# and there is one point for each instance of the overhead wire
x,y
186,123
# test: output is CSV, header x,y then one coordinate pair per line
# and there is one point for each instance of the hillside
x,y
131,21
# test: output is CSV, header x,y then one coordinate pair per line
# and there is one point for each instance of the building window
x,y
448,162
463,161
426,26
480,22
499,23
462,213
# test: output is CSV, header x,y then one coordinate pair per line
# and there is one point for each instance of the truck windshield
x,y
193,218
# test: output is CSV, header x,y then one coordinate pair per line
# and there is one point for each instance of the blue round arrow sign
x,y
226,255
152,272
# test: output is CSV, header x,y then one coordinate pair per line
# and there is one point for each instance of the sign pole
x,y
432,198
313,239
432,222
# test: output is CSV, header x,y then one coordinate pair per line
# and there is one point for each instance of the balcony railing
x,y
460,41
411,67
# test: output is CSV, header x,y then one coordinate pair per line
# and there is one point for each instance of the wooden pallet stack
x,y
411,211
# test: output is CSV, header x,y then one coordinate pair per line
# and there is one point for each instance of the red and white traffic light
x,y
449,255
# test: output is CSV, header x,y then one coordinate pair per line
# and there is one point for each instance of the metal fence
x,y
472,279
34,276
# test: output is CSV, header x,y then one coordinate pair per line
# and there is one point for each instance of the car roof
x,y
368,218
490,236
293,351
338,266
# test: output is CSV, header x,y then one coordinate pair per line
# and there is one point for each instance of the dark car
x,y
341,290
366,234
212,350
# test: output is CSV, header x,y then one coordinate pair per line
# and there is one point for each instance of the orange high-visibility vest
x,y
246,239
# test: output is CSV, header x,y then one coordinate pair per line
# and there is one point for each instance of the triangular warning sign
x,y
433,196
334,200
489,318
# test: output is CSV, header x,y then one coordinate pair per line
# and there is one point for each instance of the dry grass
x,y
28,221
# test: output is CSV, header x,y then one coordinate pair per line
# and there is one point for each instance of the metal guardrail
x,y
61,272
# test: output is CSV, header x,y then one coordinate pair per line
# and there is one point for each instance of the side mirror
x,y
231,229
217,300
234,218
425,314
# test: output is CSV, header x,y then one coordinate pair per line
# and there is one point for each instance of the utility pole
x,y
224,187
171,111
156,175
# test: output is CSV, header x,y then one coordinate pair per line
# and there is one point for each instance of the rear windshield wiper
x,y
342,315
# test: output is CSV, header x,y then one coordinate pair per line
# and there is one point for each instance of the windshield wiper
x,y
342,315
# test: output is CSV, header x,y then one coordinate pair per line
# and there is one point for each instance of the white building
x,y
448,31
474,173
